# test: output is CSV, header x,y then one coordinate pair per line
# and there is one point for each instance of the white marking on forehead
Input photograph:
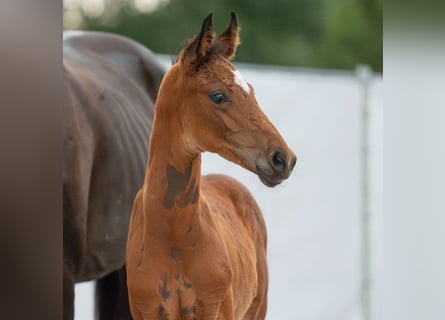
x,y
239,80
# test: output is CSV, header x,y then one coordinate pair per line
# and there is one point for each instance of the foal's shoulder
x,y
247,209
230,187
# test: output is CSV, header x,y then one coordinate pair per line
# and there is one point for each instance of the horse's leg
x,y
112,297
68,294
258,308
226,311
71,254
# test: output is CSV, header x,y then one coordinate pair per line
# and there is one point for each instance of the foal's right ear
x,y
228,41
197,50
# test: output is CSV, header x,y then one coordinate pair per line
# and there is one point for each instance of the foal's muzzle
x,y
279,167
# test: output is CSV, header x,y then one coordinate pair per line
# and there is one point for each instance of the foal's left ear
x,y
228,41
201,44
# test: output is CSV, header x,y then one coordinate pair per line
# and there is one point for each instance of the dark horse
x,y
111,84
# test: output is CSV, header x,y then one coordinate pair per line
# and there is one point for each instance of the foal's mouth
x,y
270,181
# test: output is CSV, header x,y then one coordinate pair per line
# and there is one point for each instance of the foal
x,y
197,247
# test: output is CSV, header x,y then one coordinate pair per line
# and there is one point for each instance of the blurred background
x,y
316,66
305,33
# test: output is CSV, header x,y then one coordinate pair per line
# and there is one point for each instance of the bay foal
x,y
197,246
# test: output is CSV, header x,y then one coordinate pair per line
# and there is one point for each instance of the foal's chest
x,y
167,294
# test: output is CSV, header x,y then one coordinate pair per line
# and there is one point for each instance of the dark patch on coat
x,y
174,253
179,185
163,291
187,285
190,196
186,311
162,314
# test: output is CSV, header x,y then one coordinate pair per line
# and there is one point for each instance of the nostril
x,y
278,161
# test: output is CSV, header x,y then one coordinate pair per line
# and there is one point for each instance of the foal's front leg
x,y
226,311
217,311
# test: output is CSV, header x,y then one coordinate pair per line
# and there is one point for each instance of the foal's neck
x,y
171,199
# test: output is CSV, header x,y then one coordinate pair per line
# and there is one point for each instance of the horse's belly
x,y
108,222
102,257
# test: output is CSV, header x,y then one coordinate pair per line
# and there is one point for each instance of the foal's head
x,y
217,109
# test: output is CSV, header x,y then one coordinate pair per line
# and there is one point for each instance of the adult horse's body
x,y
197,247
111,84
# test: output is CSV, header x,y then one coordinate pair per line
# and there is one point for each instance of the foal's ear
x,y
200,45
228,41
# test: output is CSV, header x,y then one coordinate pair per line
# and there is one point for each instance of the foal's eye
x,y
218,97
